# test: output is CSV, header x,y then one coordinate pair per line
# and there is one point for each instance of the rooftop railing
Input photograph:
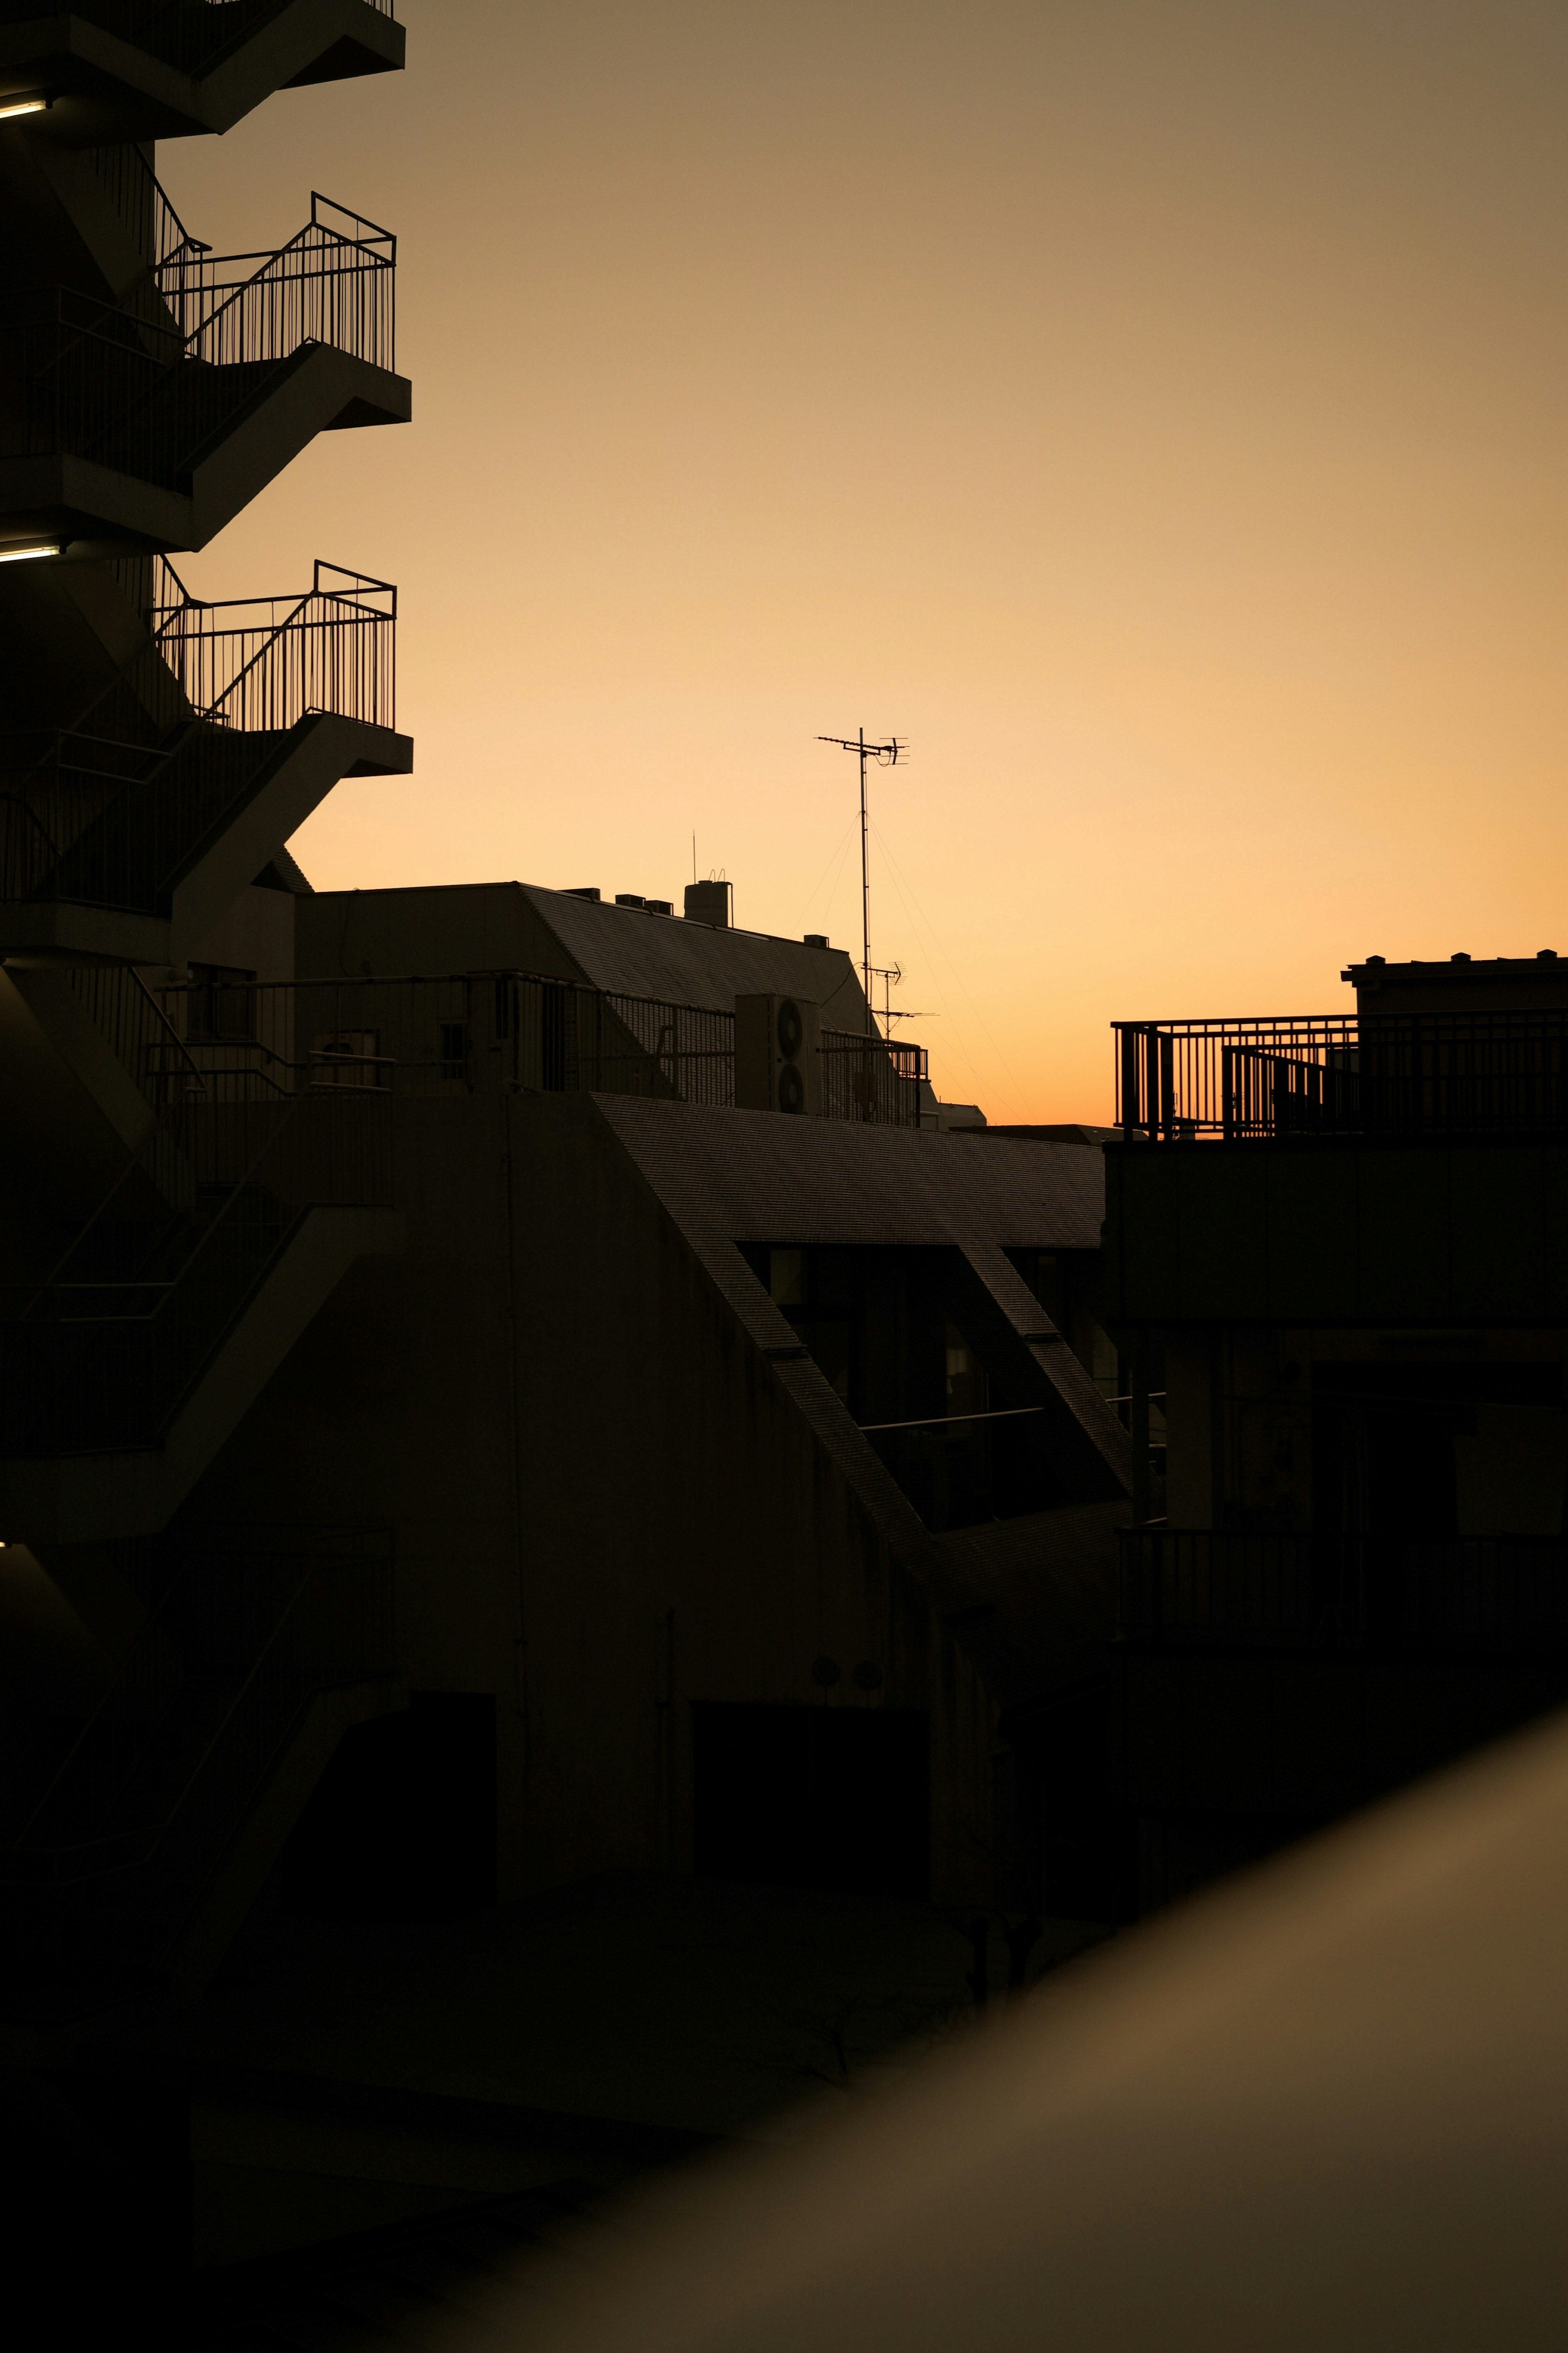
x,y
466,1033
1380,1076
110,811
193,35
1221,1588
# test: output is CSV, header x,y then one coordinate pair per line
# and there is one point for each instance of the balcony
x,y
1470,1598
152,422
482,1033
209,749
1381,1078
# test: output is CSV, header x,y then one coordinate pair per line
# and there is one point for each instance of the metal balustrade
x,y
462,1033
242,1629
1384,1076
110,811
335,282
147,387
100,1355
193,35
1227,1589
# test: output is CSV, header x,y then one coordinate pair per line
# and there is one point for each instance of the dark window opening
x,y
552,1037
454,1049
947,1397
220,1007
1385,1439
835,1798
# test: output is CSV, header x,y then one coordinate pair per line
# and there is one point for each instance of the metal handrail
x,y
1385,1075
517,1028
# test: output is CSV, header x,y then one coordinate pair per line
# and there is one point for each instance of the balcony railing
x,y
193,35
110,811
1221,1588
147,387
468,1033
1384,1076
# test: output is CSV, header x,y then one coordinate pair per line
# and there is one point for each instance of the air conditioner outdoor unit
x,y
777,1064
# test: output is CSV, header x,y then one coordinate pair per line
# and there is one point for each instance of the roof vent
x,y
584,894
710,903
1377,960
659,906
1545,955
630,899
1460,958
816,939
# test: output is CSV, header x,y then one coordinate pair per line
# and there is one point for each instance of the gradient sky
x,y
1153,411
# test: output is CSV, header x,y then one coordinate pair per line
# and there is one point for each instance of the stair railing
x,y
335,282
127,383
374,1625
137,1030
212,674
266,662
137,193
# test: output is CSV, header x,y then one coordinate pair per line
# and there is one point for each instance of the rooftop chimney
x,y
710,903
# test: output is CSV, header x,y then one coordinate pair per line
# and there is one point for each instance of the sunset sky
x,y
1153,411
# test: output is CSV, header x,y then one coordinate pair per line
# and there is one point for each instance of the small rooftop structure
x,y
1461,984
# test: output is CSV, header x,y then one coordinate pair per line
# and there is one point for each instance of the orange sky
x,y
1154,411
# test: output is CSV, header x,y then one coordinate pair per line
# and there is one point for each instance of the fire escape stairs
x,y
124,1373
142,1810
128,833
148,412
124,70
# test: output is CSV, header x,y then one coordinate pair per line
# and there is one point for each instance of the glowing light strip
x,y
14,106
28,555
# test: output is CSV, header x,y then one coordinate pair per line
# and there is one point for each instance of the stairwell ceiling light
x,y
27,554
25,101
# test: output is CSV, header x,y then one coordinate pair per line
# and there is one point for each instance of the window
x,y
220,1004
454,1050
786,1278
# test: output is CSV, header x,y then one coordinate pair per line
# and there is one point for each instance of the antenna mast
x,y
887,756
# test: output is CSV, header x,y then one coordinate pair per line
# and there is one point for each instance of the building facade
x,y
1334,1253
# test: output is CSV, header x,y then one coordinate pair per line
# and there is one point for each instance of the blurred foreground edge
x,y
1326,2105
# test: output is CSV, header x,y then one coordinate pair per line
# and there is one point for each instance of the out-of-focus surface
x,y
1328,2106
1155,414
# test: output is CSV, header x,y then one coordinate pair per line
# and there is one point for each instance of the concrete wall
x,y
1272,1233
606,1504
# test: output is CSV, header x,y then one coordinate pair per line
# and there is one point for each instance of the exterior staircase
x,y
137,70
128,1822
148,411
169,1225
129,831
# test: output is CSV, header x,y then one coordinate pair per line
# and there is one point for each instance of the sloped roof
x,y
755,1175
696,964
1032,1600
522,927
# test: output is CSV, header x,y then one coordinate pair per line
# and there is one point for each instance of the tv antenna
x,y
886,755
892,976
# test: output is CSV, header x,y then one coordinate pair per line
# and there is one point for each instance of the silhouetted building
x,y
498,1386
1334,1246
161,1243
